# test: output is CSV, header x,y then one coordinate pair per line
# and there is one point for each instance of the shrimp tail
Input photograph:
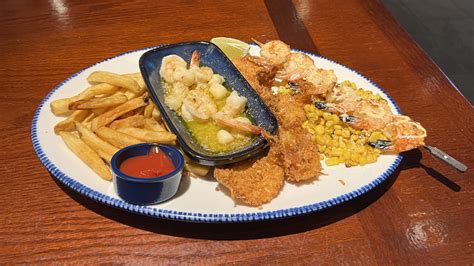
x,y
234,124
380,144
249,128
272,139
195,58
331,107
396,146
356,122
349,119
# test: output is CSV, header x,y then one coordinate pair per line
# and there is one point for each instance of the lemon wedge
x,y
232,48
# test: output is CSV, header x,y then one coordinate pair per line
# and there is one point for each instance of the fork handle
x,y
446,158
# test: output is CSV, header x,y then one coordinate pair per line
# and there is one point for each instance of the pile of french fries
x,y
114,112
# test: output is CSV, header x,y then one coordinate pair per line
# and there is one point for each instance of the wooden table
x,y
422,214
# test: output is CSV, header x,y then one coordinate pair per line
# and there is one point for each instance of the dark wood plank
x,y
289,25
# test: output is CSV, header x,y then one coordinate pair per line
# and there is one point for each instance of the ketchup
x,y
154,164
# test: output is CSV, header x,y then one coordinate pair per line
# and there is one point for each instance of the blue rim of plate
x,y
198,217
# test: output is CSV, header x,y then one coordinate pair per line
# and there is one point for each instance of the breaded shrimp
x,y
299,156
252,73
254,182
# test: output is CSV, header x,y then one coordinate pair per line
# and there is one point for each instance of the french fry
x,y
102,102
87,124
197,169
138,111
89,118
130,95
86,154
138,78
148,110
153,125
100,111
118,139
61,106
107,118
156,114
68,123
103,148
145,135
116,80
131,121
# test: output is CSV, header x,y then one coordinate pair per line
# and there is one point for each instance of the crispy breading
x,y
299,156
250,70
288,110
254,182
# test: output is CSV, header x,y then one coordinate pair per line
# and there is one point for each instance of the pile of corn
x,y
365,94
339,143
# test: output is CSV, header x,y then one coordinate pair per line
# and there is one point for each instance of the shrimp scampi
x,y
169,65
214,115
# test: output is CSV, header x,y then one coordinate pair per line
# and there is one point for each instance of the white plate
x,y
198,200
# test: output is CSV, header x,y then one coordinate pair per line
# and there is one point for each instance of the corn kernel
x,y
355,157
321,148
375,136
371,158
327,138
320,140
346,133
342,144
332,161
326,116
337,152
350,145
347,154
319,129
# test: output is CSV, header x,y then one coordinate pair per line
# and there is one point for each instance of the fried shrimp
x,y
254,182
253,74
288,110
299,156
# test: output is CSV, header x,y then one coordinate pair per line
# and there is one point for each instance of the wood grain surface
x,y
421,215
